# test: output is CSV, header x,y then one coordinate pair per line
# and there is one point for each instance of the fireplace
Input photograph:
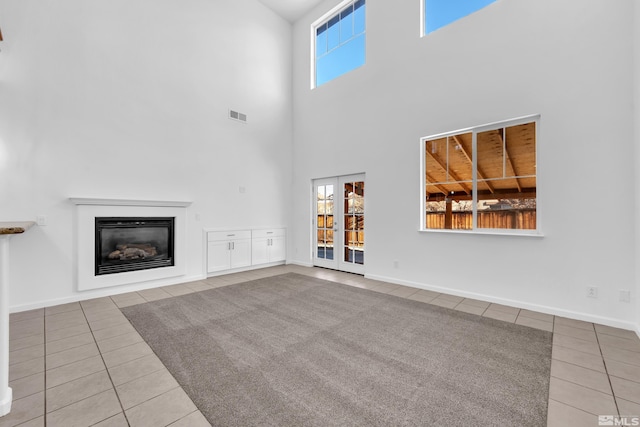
x,y
154,231
130,244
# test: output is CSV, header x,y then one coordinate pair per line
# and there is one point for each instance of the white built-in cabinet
x,y
227,250
268,246
241,249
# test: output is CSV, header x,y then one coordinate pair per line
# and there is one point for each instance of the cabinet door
x,y
217,256
277,249
259,251
240,253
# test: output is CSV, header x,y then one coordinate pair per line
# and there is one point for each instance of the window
x,y
354,222
482,178
439,13
339,42
324,210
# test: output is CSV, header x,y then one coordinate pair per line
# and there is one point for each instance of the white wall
x,y
103,99
569,61
123,99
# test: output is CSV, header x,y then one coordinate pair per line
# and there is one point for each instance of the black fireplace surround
x,y
126,244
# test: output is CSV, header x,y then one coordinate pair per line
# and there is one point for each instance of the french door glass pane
x,y
324,225
354,222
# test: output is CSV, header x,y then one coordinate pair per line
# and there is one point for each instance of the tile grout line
x,y
594,370
179,386
580,385
615,400
124,414
45,372
485,310
570,406
170,390
580,366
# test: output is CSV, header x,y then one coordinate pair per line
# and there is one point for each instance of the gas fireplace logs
x,y
133,251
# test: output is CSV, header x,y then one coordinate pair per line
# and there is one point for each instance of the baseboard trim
x,y
106,292
608,321
247,268
5,404
123,289
302,263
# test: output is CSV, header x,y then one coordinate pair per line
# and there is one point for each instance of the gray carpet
x,y
291,350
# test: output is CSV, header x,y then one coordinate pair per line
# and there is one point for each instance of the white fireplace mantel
x,y
128,202
88,209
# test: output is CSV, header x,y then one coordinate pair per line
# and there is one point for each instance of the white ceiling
x,y
291,10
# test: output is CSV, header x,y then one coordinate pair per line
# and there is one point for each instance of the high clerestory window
x,y
439,13
481,179
338,42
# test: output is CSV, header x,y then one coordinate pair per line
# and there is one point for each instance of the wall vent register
x,y
235,115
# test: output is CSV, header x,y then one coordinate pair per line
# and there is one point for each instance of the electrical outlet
x,y
625,295
592,292
41,220
395,263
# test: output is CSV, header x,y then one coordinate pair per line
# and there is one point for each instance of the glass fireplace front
x,y
129,244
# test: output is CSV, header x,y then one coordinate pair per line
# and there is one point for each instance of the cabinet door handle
x,y
233,246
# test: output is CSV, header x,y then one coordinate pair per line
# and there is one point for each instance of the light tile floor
x,y
83,364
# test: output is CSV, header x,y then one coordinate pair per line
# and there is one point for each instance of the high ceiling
x,y
291,10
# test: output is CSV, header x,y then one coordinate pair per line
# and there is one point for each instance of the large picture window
x,y
339,42
482,178
439,13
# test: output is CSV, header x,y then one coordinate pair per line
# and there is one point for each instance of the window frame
x,y
474,130
319,22
423,18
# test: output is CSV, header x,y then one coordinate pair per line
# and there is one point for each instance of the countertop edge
x,y
15,227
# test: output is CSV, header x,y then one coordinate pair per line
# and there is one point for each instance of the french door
x,y
339,223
